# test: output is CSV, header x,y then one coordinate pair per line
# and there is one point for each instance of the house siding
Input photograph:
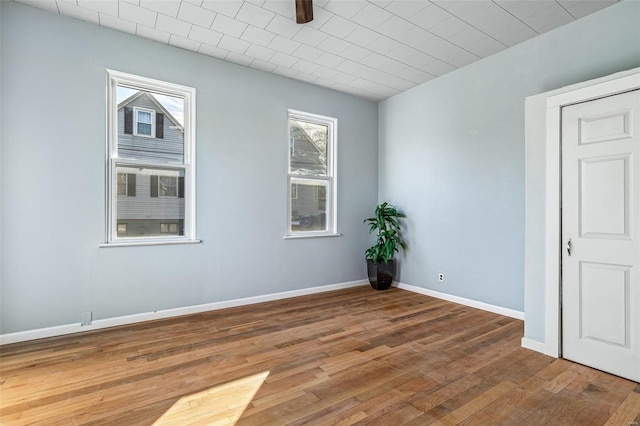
x,y
168,149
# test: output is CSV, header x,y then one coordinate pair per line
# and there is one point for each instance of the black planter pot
x,y
381,274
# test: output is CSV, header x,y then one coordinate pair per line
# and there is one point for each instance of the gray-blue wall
x,y
451,155
53,179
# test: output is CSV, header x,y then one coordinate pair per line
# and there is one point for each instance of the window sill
x,y
301,236
148,243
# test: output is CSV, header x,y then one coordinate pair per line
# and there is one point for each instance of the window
x,y
169,228
311,178
127,184
144,122
151,161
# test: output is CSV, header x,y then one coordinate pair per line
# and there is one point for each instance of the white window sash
x,y
115,79
330,177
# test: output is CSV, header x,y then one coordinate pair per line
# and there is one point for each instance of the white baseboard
x,y
463,301
41,333
534,345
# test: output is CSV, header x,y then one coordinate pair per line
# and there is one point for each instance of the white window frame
x,y
135,122
330,178
114,79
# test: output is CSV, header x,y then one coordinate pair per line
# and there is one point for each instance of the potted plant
x,y
381,266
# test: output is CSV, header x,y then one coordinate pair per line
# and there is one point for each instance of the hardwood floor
x,y
344,357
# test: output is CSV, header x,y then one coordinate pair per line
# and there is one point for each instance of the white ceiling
x,y
373,49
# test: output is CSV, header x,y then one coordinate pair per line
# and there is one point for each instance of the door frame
x,y
612,85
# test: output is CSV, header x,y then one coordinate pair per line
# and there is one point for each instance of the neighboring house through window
x,y
151,160
311,178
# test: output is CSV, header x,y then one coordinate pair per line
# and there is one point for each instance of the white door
x,y
601,234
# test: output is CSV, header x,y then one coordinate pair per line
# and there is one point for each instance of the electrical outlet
x,y
441,277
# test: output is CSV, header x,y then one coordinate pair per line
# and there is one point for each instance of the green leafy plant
x,y
386,223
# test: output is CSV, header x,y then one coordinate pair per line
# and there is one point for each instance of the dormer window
x,y
144,122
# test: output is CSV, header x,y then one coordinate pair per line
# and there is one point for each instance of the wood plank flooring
x,y
355,356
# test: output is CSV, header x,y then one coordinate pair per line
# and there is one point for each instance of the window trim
x,y
330,178
117,78
152,113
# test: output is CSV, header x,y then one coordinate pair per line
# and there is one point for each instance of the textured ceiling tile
x,y
333,45
196,15
339,27
283,26
254,15
415,36
406,8
284,45
348,66
362,37
374,60
510,31
226,7
355,53
325,73
447,52
257,36
310,36
172,25
229,26
579,9
305,66
328,59
345,8
430,17
405,71
307,53
184,43
449,28
204,35
214,51
233,44
466,9
372,16
137,14
283,60
285,8
166,7
487,17
395,27
320,17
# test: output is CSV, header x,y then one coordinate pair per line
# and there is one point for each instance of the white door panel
x,y
601,234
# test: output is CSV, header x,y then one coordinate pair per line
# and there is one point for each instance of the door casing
x,y
554,104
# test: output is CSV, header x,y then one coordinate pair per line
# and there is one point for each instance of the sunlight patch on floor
x,y
219,405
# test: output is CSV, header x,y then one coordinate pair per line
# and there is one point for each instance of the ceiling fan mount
x,y
304,11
